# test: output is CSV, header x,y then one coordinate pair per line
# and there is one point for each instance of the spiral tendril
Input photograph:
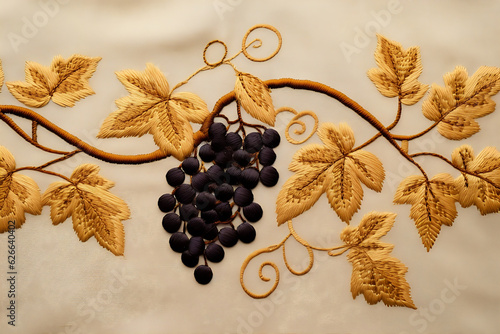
x,y
245,46
296,121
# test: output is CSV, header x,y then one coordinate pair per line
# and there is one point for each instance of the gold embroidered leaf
x,y
253,95
18,193
456,105
65,81
1,75
94,210
330,168
372,227
480,186
152,108
433,204
379,277
398,71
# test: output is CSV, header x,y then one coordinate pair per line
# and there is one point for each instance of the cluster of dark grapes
x,y
201,213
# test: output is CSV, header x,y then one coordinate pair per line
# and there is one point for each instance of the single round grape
x,y
166,202
206,153
253,212
242,157
224,157
185,193
233,140
196,246
171,222
269,176
216,173
271,138
196,226
191,165
218,143
228,237
253,142
189,260
211,232
224,192
233,174
267,156
203,274
214,253
243,196
249,177
179,242
188,211
175,177
210,216
205,201
224,211
217,130
199,181
246,232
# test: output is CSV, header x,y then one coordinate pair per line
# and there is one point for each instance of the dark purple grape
x,y
214,253
224,157
233,174
243,196
196,246
217,130
267,156
171,222
211,232
188,211
196,226
253,142
271,138
228,237
249,177
191,165
224,211
199,181
185,193
205,201
246,232
253,212
242,157
175,177
206,153
216,173
210,216
203,274
224,192
218,143
179,242
269,176
166,202
189,260
211,187
233,140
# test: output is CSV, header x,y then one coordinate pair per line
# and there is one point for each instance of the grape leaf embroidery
x,y
254,97
152,108
65,81
433,204
398,71
479,185
461,100
375,274
19,194
94,210
333,168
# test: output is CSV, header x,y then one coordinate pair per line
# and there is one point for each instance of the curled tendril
x,y
257,43
296,121
309,266
221,61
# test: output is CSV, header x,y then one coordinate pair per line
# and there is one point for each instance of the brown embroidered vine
x,y
336,168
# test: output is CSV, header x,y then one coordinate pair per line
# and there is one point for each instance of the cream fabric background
x,y
65,286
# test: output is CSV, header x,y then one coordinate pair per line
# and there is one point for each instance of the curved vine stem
x,y
202,134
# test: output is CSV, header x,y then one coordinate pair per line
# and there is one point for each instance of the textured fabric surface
x,y
66,286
